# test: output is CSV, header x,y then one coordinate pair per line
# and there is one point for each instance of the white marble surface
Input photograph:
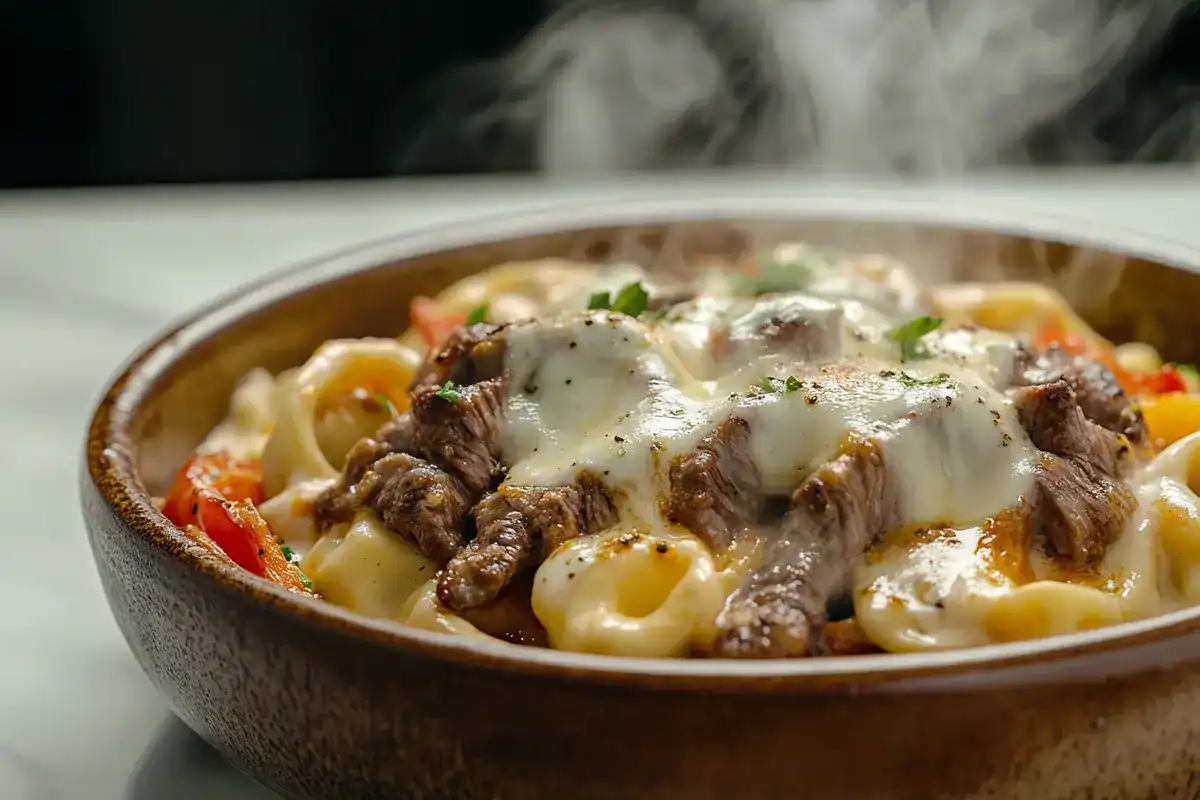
x,y
86,276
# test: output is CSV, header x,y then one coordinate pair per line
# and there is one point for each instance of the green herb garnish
x,y
386,402
449,393
478,315
288,553
781,385
631,300
308,584
911,381
909,335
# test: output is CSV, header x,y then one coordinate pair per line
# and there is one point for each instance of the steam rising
x,y
879,86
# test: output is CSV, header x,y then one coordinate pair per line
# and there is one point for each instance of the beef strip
x,y
518,527
1097,390
424,472
716,488
471,354
462,433
394,436
779,610
339,503
417,500
1080,504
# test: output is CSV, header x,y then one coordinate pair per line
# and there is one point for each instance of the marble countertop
x,y
85,276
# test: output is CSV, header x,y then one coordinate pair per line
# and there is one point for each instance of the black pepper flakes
x,y
979,400
573,345
589,322
810,400
662,547
618,439
567,381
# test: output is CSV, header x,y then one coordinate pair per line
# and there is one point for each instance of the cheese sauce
x,y
623,397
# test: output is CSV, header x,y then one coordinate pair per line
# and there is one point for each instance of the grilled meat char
x,y
471,354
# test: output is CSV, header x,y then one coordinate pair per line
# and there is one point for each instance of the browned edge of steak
x,y
837,512
716,489
471,354
517,527
1097,391
1080,504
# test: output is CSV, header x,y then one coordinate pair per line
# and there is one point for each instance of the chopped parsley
x,y
781,385
909,336
478,315
911,381
631,300
308,584
449,393
386,402
288,553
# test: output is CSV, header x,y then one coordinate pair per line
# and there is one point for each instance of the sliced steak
x,y
1097,390
780,609
420,501
339,503
394,436
1080,505
716,489
471,354
518,527
461,432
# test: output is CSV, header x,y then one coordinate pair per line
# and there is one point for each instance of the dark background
x,y
135,91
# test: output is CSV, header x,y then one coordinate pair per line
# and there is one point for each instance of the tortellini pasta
x,y
628,593
252,414
367,568
338,368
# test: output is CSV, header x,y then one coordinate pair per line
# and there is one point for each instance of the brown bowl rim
x,y
108,463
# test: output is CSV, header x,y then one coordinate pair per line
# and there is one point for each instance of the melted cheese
x,y
623,398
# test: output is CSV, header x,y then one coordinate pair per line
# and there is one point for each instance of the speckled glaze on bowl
x,y
320,703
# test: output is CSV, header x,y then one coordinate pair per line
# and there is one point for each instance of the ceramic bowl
x,y
317,702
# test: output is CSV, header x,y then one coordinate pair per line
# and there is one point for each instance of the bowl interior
x,y
179,388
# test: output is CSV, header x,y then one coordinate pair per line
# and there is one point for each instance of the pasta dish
x,y
807,454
